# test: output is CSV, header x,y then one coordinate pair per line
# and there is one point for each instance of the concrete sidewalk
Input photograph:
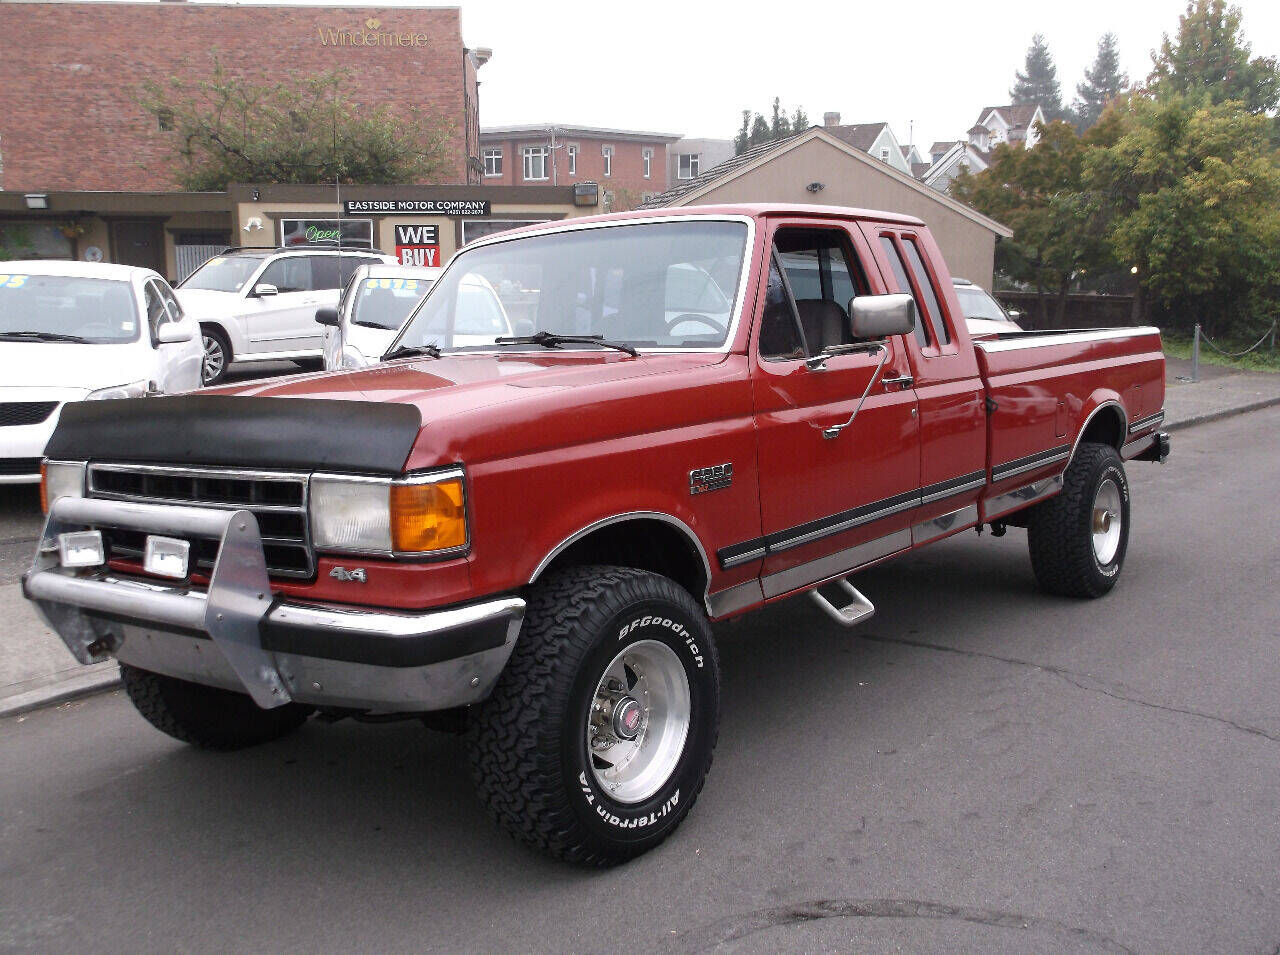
x,y
37,670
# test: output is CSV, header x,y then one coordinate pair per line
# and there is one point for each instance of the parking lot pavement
x,y
978,768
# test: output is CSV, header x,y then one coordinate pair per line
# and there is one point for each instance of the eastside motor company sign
x,y
418,207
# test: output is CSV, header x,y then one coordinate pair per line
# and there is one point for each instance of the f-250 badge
x,y
356,574
713,478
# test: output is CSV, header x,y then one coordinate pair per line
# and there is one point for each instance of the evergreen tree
x,y
780,127
743,139
799,120
760,131
1209,59
1039,82
1103,82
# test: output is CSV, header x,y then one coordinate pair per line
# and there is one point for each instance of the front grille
x,y
10,466
277,499
15,413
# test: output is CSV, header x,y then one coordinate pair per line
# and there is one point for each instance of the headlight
x,y
352,357
138,389
60,479
423,514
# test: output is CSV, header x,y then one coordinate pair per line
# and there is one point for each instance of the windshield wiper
x,y
42,337
363,323
555,340
408,351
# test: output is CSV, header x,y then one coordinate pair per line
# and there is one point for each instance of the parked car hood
x,y
71,365
203,302
475,406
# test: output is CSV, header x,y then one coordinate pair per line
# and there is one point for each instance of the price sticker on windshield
x,y
407,285
13,281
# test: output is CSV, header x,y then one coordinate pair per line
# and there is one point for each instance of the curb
x,y
1225,413
88,684
74,687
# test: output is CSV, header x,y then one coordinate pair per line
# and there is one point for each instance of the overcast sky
x,y
691,67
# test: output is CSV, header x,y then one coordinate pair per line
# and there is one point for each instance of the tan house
x,y
816,167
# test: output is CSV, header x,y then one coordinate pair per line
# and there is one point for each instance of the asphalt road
x,y
980,768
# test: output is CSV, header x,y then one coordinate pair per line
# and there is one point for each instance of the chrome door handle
x,y
902,381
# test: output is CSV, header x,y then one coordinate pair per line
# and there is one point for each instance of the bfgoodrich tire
x,y
205,716
600,732
1078,539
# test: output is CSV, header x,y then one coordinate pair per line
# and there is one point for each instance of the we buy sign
x,y
418,245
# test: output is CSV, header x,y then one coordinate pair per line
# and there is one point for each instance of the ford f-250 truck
x,y
709,411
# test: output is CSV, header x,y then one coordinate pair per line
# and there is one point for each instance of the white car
x,y
76,331
373,307
480,317
984,316
260,304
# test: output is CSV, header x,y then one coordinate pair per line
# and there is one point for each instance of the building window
x,y
689,165
884,153
346,234
607,152
164,119
648,163
535,162
573,159
473,229
493,162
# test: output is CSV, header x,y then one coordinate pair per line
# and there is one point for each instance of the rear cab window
x,y
912,275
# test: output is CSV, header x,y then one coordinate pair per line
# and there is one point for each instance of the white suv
x,y
260,304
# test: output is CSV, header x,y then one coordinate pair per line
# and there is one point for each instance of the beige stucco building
x,y
816,167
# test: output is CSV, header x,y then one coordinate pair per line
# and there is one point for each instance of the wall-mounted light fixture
x,y
815,186
257,195
586,194
37,200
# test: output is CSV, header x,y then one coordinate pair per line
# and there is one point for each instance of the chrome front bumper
x,y
235,636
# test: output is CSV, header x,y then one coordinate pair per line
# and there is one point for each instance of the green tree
x,y
307,129
780,125
1194,190
1209,60
756,129
1103,82
1038,192
743,139
1037,82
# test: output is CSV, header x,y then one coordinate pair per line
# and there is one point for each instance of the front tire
x,y
600,732
217,355
205,716
1078,539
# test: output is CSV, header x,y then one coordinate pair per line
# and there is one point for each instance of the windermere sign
x,y
418,207
371,34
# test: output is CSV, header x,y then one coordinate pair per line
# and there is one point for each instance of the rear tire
x,y
309,364
205,716
570,758
217,355
1078,539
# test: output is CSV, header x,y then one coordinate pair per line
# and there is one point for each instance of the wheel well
x,y
643,543
1107,426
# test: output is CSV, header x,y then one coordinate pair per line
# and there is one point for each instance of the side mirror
x,y
882,316
327,315
265,289
172,333
1014,314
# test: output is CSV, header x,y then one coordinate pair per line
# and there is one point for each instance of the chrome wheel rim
x,y
214,359
1107,518
639,721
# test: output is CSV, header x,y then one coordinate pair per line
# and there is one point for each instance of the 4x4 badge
x,y
356,573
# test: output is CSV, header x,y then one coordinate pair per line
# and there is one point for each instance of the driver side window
x,y
808,311
289,275
156,312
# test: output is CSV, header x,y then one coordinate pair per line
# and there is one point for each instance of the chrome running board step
x,y
857,610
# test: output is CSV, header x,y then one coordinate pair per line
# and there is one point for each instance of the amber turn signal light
x,y
428,517
44,488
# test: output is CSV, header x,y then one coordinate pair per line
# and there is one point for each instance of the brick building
x,y
626,163
69,78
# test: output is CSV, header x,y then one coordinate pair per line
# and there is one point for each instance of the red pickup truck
x,y
704,412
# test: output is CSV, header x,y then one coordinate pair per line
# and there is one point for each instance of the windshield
x,y
975,303
385,303
92,310
668,285
224,273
